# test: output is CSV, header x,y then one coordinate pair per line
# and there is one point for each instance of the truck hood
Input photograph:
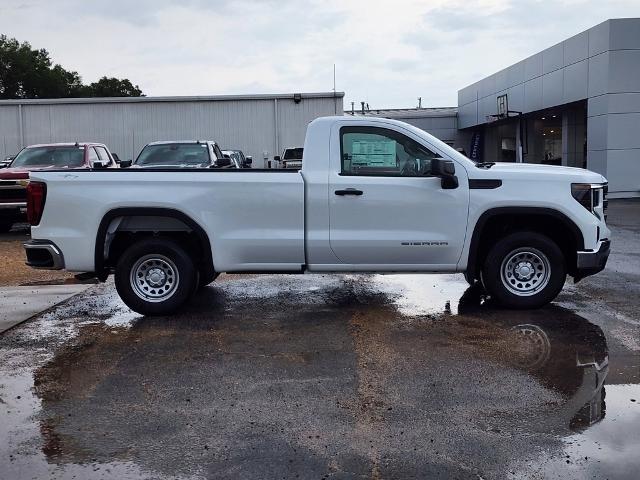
x,y
19,173
172,166
518,170
14,174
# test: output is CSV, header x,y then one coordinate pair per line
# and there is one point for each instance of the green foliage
x,y
113,87
29,73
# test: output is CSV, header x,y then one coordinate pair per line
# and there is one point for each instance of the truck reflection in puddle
x,y
564,351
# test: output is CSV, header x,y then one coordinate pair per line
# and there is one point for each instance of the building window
x,y
508,149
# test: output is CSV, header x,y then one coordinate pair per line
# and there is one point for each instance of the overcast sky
x,y
386,52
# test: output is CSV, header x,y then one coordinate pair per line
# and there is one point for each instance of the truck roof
x,y
168,142
66,144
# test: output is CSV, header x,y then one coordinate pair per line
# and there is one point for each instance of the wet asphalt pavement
x,y
332,376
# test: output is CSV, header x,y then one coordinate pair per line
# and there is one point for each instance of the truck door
x,y
386,209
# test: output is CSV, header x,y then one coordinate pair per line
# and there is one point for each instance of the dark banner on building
x,y
477,147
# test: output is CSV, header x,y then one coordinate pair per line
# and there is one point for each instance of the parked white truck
x,y
373,195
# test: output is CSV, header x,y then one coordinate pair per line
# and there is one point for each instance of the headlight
x,y
591,196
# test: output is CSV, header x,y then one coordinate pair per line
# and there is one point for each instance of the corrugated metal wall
x,y
245,123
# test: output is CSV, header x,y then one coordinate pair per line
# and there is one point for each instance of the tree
x,y
29,73
113,87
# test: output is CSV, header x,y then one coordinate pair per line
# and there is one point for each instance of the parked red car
x,y
14,178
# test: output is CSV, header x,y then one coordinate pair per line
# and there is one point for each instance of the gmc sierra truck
x,y
373,195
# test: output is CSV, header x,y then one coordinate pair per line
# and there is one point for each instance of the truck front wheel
x,y
155,276
524,270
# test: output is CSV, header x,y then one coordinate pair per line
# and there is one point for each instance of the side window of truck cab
x,y
375,151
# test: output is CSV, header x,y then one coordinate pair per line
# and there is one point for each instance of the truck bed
x,y
254,218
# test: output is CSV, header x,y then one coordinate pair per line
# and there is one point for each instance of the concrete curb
x,y
18,304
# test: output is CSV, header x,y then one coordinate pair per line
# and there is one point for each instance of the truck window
x,y
293,154
55,156
104,156
92,156
174,154
382,152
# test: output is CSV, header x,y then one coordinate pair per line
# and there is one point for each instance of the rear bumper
x,y
13,208
590,263
13,204
43,255
13,212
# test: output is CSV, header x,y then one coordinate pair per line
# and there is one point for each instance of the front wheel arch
x,y
496,223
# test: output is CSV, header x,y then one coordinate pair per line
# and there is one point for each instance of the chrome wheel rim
x,y
525,271
154,278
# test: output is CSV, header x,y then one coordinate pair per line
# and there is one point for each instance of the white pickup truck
x,y
373,195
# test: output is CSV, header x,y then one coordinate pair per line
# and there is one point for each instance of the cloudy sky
x,y
386,52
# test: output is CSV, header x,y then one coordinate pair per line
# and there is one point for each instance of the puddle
x,y
422,294
607,449
26,446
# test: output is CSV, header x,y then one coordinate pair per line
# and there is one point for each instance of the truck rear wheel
x,y
524,270
155,276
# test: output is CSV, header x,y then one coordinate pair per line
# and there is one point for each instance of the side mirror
x,y
248,160
116,158
277,158
446,170
125,163
222,162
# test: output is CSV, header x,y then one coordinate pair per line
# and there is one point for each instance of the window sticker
x,y
374,153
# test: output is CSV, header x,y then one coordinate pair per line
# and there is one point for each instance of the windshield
x,y
293,154
68,156
174,154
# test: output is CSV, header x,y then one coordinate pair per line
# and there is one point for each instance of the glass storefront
x,y
555,136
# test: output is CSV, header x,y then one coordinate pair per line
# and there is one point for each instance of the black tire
x,y
524,270
470,281
203,280
165,276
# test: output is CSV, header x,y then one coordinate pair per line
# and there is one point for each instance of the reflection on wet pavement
x,y
606,450
311,376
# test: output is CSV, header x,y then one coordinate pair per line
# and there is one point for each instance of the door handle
x,y
349,191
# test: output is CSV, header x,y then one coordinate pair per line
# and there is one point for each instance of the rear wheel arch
x,y
496,223
104,261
